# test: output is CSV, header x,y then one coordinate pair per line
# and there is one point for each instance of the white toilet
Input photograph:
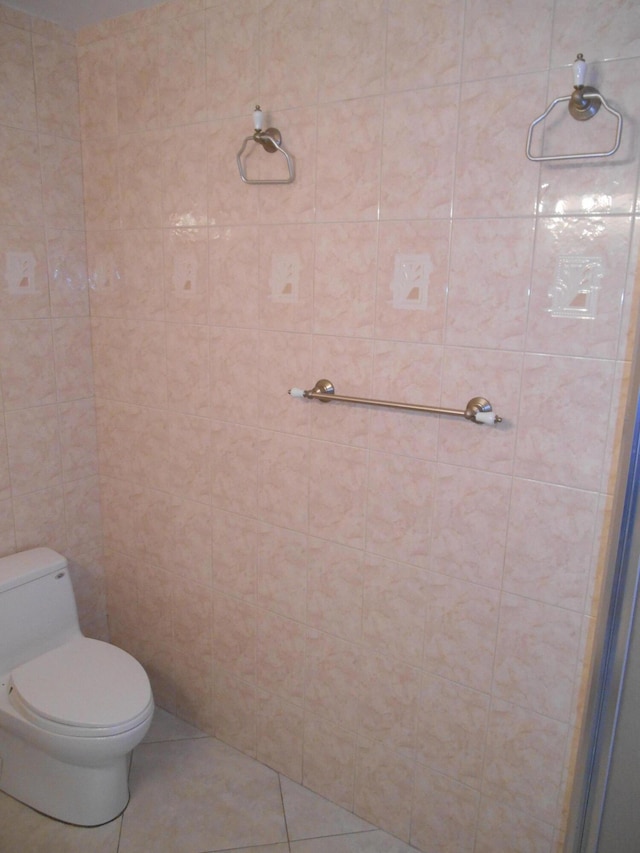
x,y
71,708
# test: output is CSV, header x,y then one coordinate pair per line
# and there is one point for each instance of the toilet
x,y
71,708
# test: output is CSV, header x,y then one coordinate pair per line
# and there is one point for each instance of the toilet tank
x,y
37,606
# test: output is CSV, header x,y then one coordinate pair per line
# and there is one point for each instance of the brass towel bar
x,y
478,410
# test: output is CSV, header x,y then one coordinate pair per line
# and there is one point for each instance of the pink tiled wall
x,y
391,608
49,488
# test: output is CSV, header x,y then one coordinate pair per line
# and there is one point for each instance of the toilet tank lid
x,y
26,566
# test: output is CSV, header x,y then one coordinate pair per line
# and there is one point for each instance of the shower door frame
x,y
612,641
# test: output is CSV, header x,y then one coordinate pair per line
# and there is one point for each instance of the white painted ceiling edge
x,y
76,14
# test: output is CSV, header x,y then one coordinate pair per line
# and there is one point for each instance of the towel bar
x,y
478,410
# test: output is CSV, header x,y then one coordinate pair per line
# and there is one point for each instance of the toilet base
x,y
85,796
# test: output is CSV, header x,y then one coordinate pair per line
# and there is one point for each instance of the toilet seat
x,y
84,688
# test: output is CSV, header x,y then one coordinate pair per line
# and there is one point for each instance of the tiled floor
x,y
191,793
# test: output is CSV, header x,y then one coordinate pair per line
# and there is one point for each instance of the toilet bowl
x,y
71,708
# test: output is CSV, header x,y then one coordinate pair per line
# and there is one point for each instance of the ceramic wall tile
x,y
137,68
97,89
388,703
491,138
384,781
282,356
39,520
187,456
234,376
17,85
186,274
395,600
181,72
452,729
400,507
450,820
289,66
192,616
56,75
280,657
282,571
523,766
424,43
488,293
495,376
286,277
342,70
559,383
184,185
24,290
235,637
280,735
347,363
52,31
332,679
334,589
549,541
612,32
578,285
413,270
72,352
407,373
329,760
21,189
15,18
461,626
234,558
536,656
62,188
232,40
235,711
344,295
188,368
489,47
33,442
5,479
470,525
234,468
84,532
68,274
140,180
283,476
27,372
101,185
500,827
233,283
417,154
337,487
348,160
614,445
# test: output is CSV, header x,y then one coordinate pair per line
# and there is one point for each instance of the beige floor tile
x,y
359,842
22,830
266,848
188,796
311,816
